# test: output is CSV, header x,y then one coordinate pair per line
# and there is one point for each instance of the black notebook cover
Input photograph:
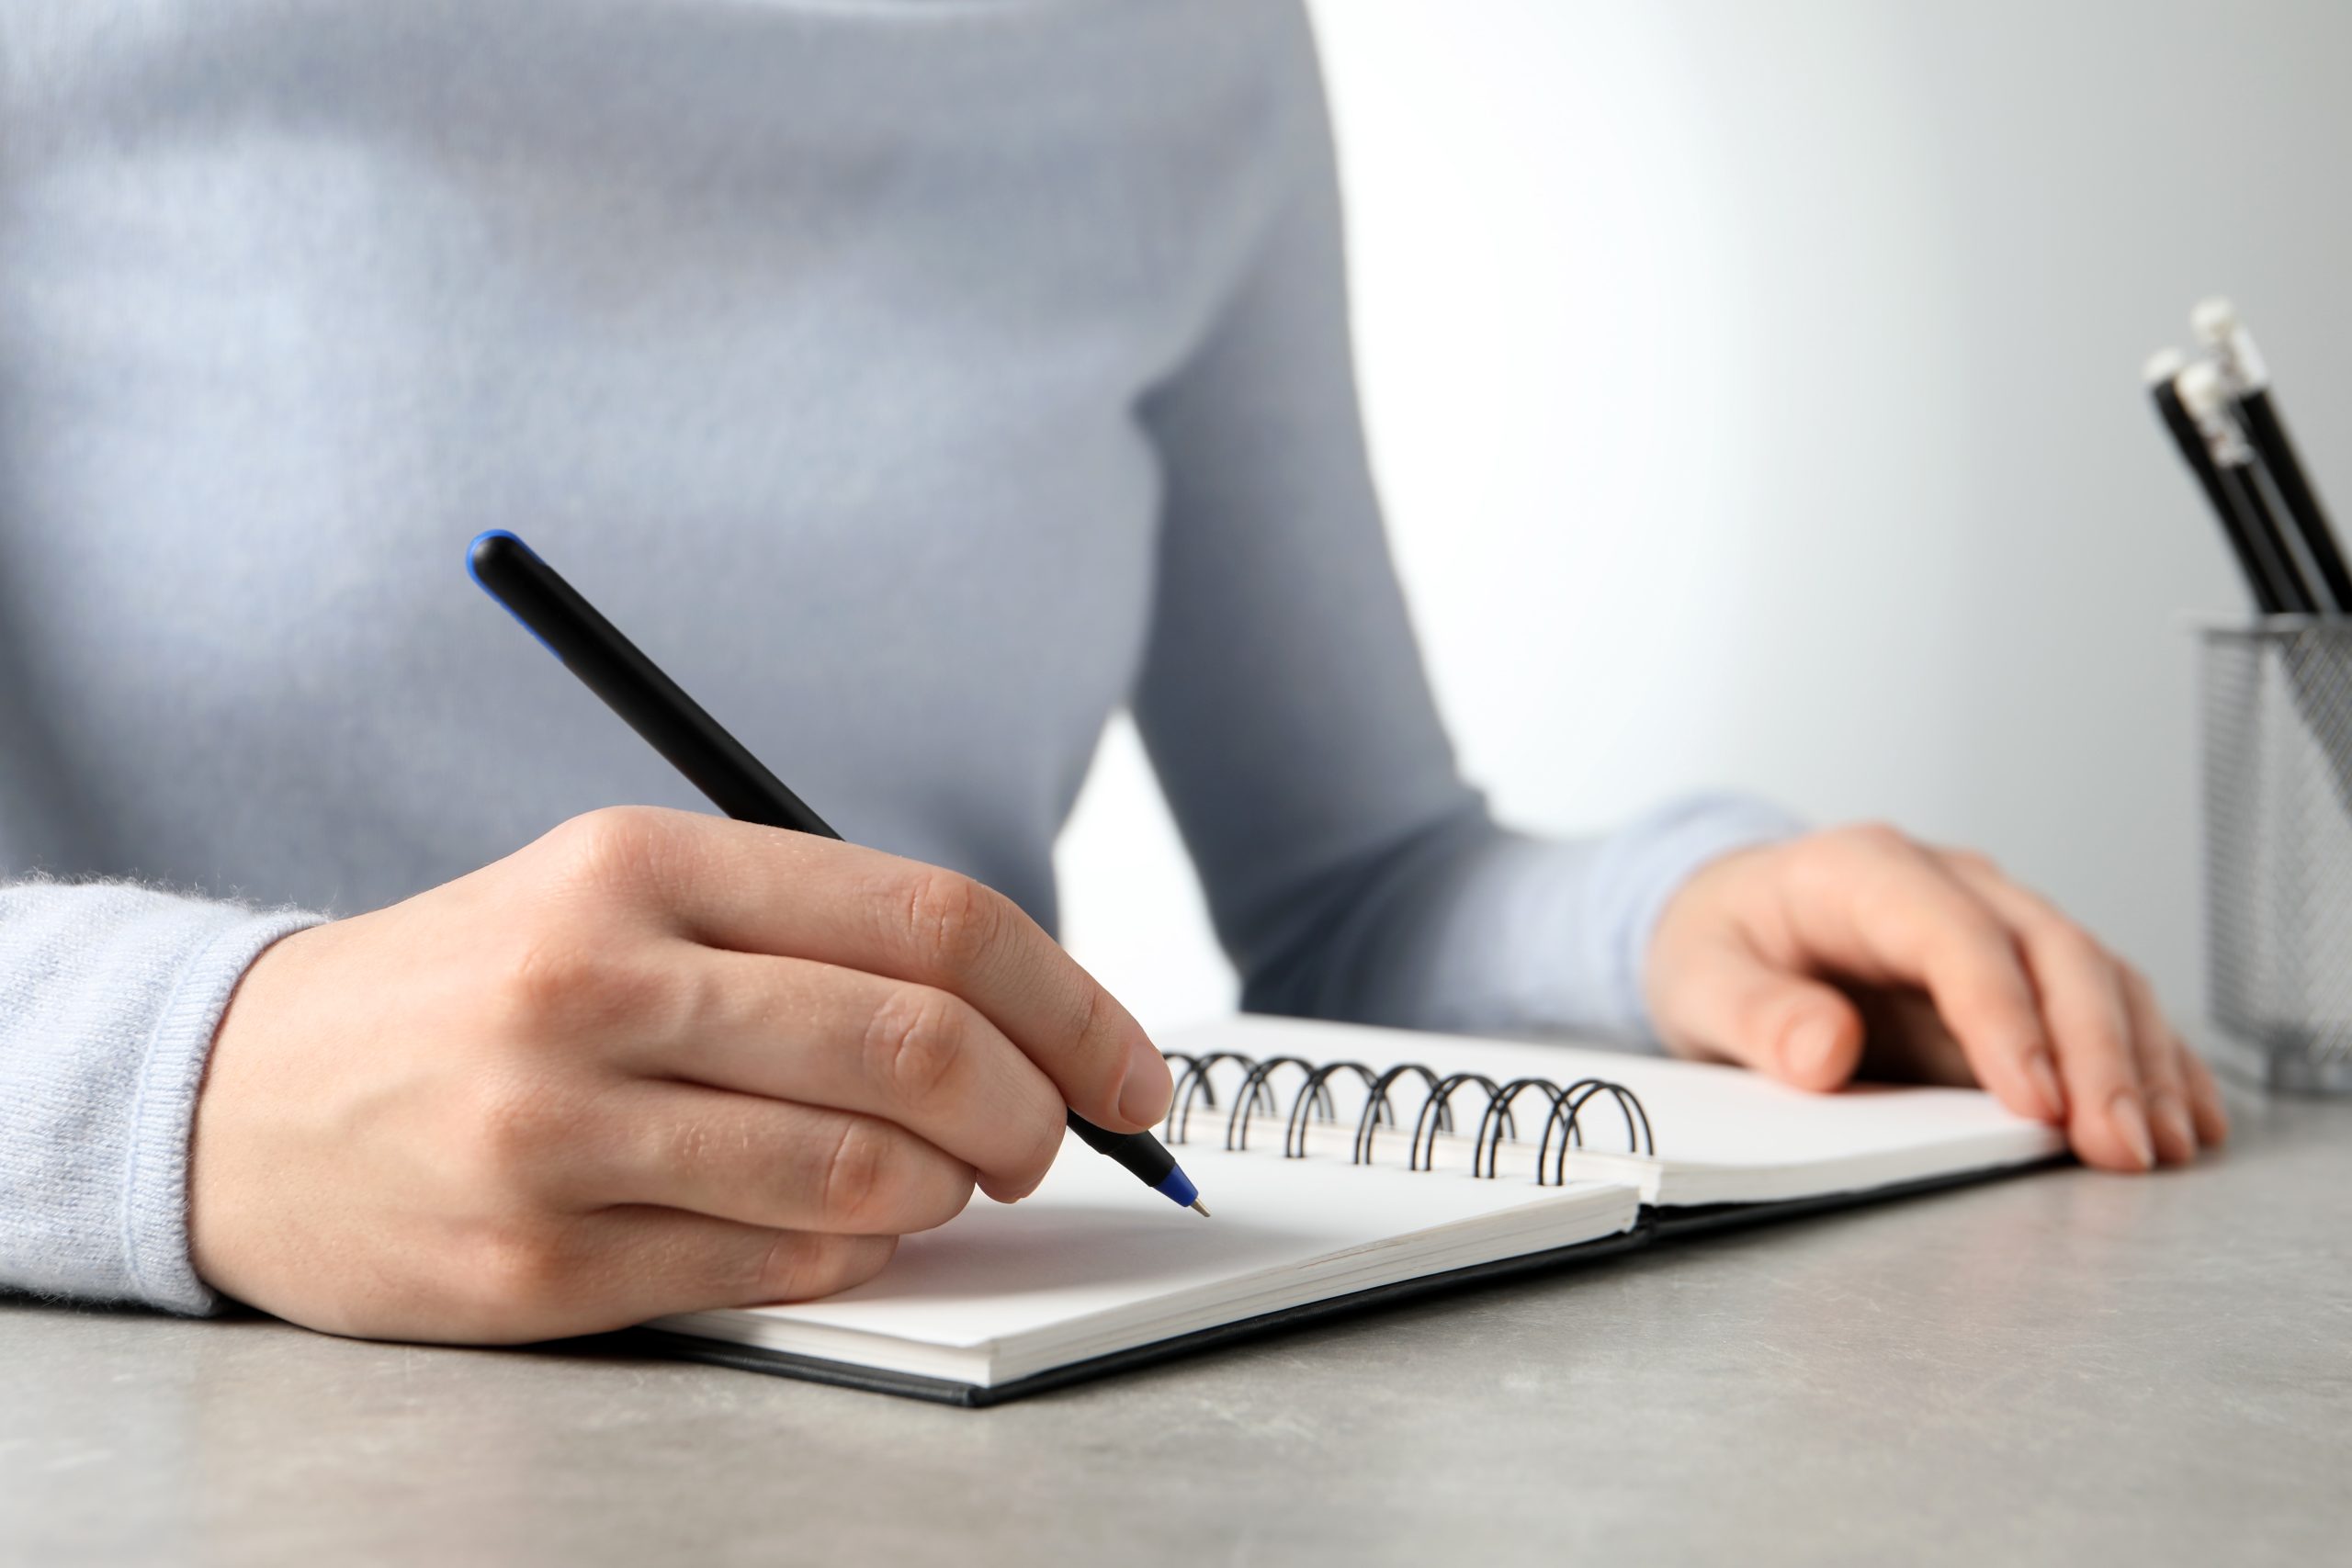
x,y
943,1391
1653,1225
1563,1125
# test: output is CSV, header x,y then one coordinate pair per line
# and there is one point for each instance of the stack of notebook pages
x,y
1348,1165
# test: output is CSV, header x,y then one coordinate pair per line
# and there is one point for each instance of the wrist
x,y
1669,852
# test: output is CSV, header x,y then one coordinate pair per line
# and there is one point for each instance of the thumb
x,y
1729,1003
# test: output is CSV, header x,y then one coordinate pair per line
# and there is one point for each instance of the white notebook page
x,y
1093,1261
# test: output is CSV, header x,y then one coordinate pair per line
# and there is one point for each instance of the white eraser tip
x,y
2164,364
2214,319
2201,387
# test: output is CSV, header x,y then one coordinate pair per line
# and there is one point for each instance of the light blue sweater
x,y
918,381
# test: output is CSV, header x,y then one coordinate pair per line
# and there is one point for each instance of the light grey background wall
x,y
1754,390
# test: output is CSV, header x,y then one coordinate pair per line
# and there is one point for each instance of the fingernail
x,y
2044,1077
2133,1124
1143,1097
1809,1048
2168,1112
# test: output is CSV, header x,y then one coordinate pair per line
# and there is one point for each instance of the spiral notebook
x,y
1347,1166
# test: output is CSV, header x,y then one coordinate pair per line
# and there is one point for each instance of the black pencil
x,y
2256,557
2205,395
2248,379
714,761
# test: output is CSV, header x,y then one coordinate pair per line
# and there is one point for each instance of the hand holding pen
x,y
715,762
655,1061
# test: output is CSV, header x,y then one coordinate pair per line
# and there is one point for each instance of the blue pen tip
x,y
1178,1188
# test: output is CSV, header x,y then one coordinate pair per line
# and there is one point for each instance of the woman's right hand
x,y
654,1062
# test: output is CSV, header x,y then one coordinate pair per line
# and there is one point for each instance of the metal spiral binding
x,y
1192,1084
1191,1065
1436,1116
1562,1129
1315,1095
1377,1108
1258,1086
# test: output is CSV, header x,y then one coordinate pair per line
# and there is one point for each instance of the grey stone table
x,y
2059,1368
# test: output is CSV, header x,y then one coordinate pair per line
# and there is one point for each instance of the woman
x,y
919,381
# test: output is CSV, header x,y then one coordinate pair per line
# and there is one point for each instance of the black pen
x,y
714,761
2257,554
2247,379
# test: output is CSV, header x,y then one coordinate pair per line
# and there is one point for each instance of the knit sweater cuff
x,y
163,1115
1642,868
111,993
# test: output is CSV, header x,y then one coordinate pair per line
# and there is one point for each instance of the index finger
x,y
1876,908
755,889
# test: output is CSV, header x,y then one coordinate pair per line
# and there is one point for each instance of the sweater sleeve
x,y
1351,871
109,994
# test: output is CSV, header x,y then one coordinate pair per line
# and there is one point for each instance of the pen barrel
x,y
1141,1152
634,687
673,724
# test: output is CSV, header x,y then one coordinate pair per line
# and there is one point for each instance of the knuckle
x,y
915,1040
2202,1089
615,846
515,1271
939,1191
777,1268
952,920
953,1200
558,981
851,1177
798,1265
1044,1145
1820,865
511,1134
1882,837
2067,943
1095,1019
1850,862
540,978
1974,862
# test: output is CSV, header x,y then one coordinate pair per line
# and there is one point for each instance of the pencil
x,y
2247,379
2256,557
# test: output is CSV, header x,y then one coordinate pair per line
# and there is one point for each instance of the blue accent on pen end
x,y
481,542
1178,1186
486,539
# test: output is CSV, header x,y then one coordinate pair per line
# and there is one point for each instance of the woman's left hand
x,y
1861,952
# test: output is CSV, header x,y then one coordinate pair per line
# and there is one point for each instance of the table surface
x,y
2062,1367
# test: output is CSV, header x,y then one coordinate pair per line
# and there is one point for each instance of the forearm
x,y
109,994
1470,927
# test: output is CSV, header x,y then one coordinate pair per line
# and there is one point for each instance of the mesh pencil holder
x,y
2278,788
